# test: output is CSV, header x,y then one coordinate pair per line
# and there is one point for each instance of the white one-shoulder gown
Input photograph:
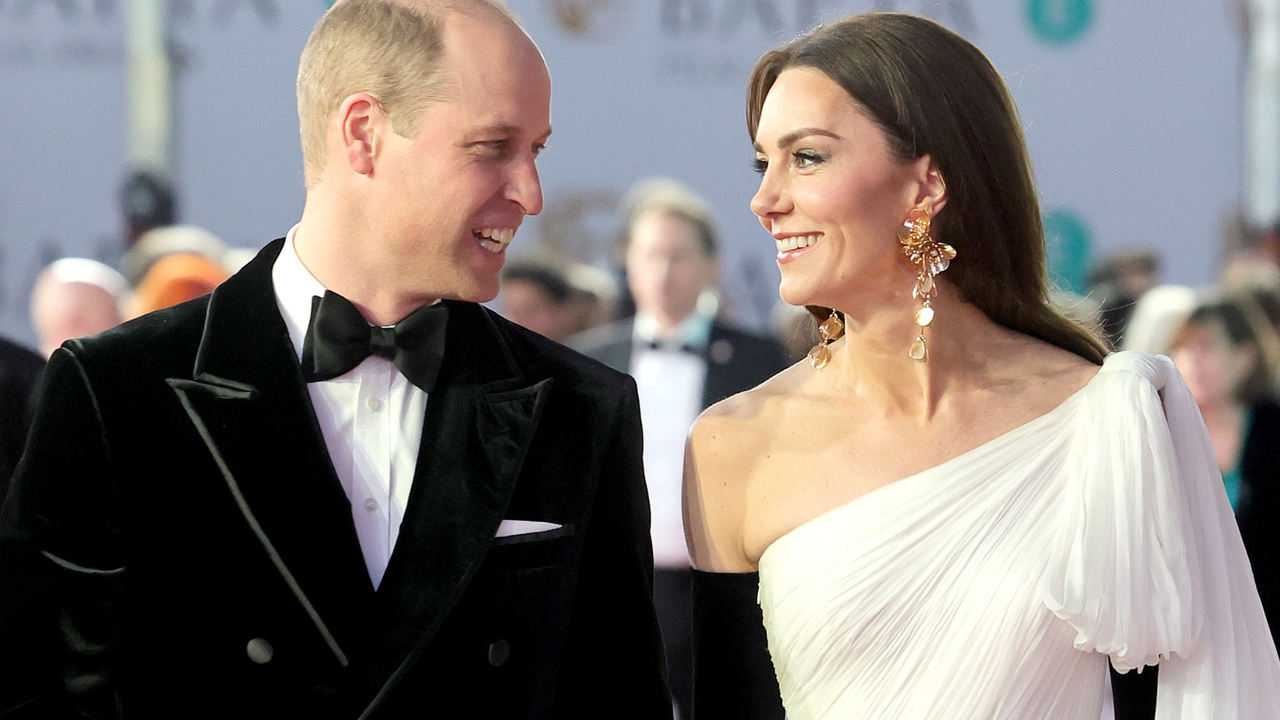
x,y
996,584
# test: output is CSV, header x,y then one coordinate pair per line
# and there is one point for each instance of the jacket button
x,y
499,652
259,651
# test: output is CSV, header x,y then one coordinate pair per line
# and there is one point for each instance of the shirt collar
x,y
692,332
295,286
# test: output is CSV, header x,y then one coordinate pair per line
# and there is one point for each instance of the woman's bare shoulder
x,y
724,446
1036,375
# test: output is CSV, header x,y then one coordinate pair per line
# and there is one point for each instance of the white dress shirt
x,y
670,383
371,419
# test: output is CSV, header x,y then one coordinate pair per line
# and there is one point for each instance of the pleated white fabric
x,y
996,584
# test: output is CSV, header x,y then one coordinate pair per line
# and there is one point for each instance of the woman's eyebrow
x,y
795,135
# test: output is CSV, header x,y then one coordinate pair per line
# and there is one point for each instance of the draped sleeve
x,y
1148,566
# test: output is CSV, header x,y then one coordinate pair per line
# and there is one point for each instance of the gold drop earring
x,y
930,258
831,329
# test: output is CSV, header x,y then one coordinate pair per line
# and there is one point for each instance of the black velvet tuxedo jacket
x,y
177,543
736,360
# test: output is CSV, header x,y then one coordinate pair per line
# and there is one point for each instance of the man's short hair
x,y
673,198
391,50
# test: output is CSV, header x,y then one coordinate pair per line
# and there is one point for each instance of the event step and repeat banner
x,y
1131,108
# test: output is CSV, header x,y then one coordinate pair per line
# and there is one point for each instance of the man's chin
x,y
478,291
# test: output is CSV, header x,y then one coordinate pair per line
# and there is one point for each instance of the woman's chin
x,y
793,295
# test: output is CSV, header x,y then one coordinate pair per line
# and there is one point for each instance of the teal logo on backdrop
x,y
1068,242
1059,22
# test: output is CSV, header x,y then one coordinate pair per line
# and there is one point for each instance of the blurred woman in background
x,y
1228,354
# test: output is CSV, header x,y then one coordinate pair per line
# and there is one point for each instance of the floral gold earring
x,y
831,330
930,258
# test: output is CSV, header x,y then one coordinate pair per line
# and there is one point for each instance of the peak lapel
x,y
247,400
480,420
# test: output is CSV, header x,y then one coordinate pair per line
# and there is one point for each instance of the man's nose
x,y
524,187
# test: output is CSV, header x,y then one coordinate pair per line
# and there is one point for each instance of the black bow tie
x,y
338,339
685,347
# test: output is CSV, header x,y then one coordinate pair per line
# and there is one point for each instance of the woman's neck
x,y
872,360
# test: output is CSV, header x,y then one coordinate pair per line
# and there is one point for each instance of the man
x,y
234,510
556,299
75,297
539,296
683,360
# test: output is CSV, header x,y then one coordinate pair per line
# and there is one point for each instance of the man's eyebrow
x,y
501,130
494,129
795,135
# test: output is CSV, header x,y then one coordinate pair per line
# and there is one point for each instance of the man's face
x,y
525,303
449,200
666,267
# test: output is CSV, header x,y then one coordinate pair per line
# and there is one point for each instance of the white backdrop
x,y
1131,108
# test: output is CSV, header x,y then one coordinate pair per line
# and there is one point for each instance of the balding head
x,y
75,297
390,49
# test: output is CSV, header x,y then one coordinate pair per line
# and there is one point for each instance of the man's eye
x,y
539,148
492,147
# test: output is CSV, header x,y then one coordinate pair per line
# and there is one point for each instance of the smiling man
x,y
338,487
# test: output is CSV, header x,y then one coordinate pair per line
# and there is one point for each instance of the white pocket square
x,y
524,527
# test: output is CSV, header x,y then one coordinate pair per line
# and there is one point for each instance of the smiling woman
x,y
952,511
949,106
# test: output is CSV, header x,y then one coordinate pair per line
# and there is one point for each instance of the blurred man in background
x,y
555,300
683,359
1117,282
76,297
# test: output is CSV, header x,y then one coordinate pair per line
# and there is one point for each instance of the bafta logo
x,y
588,18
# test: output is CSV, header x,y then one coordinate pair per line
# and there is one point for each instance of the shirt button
x,y
375,404
370,504
499,653
260,651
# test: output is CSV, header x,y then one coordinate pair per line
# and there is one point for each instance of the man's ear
x,y
361,123
931,193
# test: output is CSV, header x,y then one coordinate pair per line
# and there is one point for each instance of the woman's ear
x,y
931,188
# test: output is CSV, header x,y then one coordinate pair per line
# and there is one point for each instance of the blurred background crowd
x,y
1155,133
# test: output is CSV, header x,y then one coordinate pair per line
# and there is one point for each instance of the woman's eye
x,y
806,159
760,165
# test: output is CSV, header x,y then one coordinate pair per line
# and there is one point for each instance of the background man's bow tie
x,y
339,338
683,347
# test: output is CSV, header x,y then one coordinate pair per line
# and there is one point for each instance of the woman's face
x,y
1211,367
831,193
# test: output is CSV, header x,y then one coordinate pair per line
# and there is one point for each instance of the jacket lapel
x,y
247,400
480,419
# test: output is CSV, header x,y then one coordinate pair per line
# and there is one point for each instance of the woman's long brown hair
x,y
933,93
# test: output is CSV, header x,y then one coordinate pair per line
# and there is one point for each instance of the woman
x,y
1227,352
954,511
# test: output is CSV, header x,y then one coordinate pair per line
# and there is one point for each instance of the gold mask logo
x,y
588,18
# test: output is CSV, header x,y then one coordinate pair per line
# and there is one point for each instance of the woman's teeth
x,y
796,242
494,239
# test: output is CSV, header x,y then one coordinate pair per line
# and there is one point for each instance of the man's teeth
x,y
495,239
796,242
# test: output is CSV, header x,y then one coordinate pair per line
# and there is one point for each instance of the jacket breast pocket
x,y
529,551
